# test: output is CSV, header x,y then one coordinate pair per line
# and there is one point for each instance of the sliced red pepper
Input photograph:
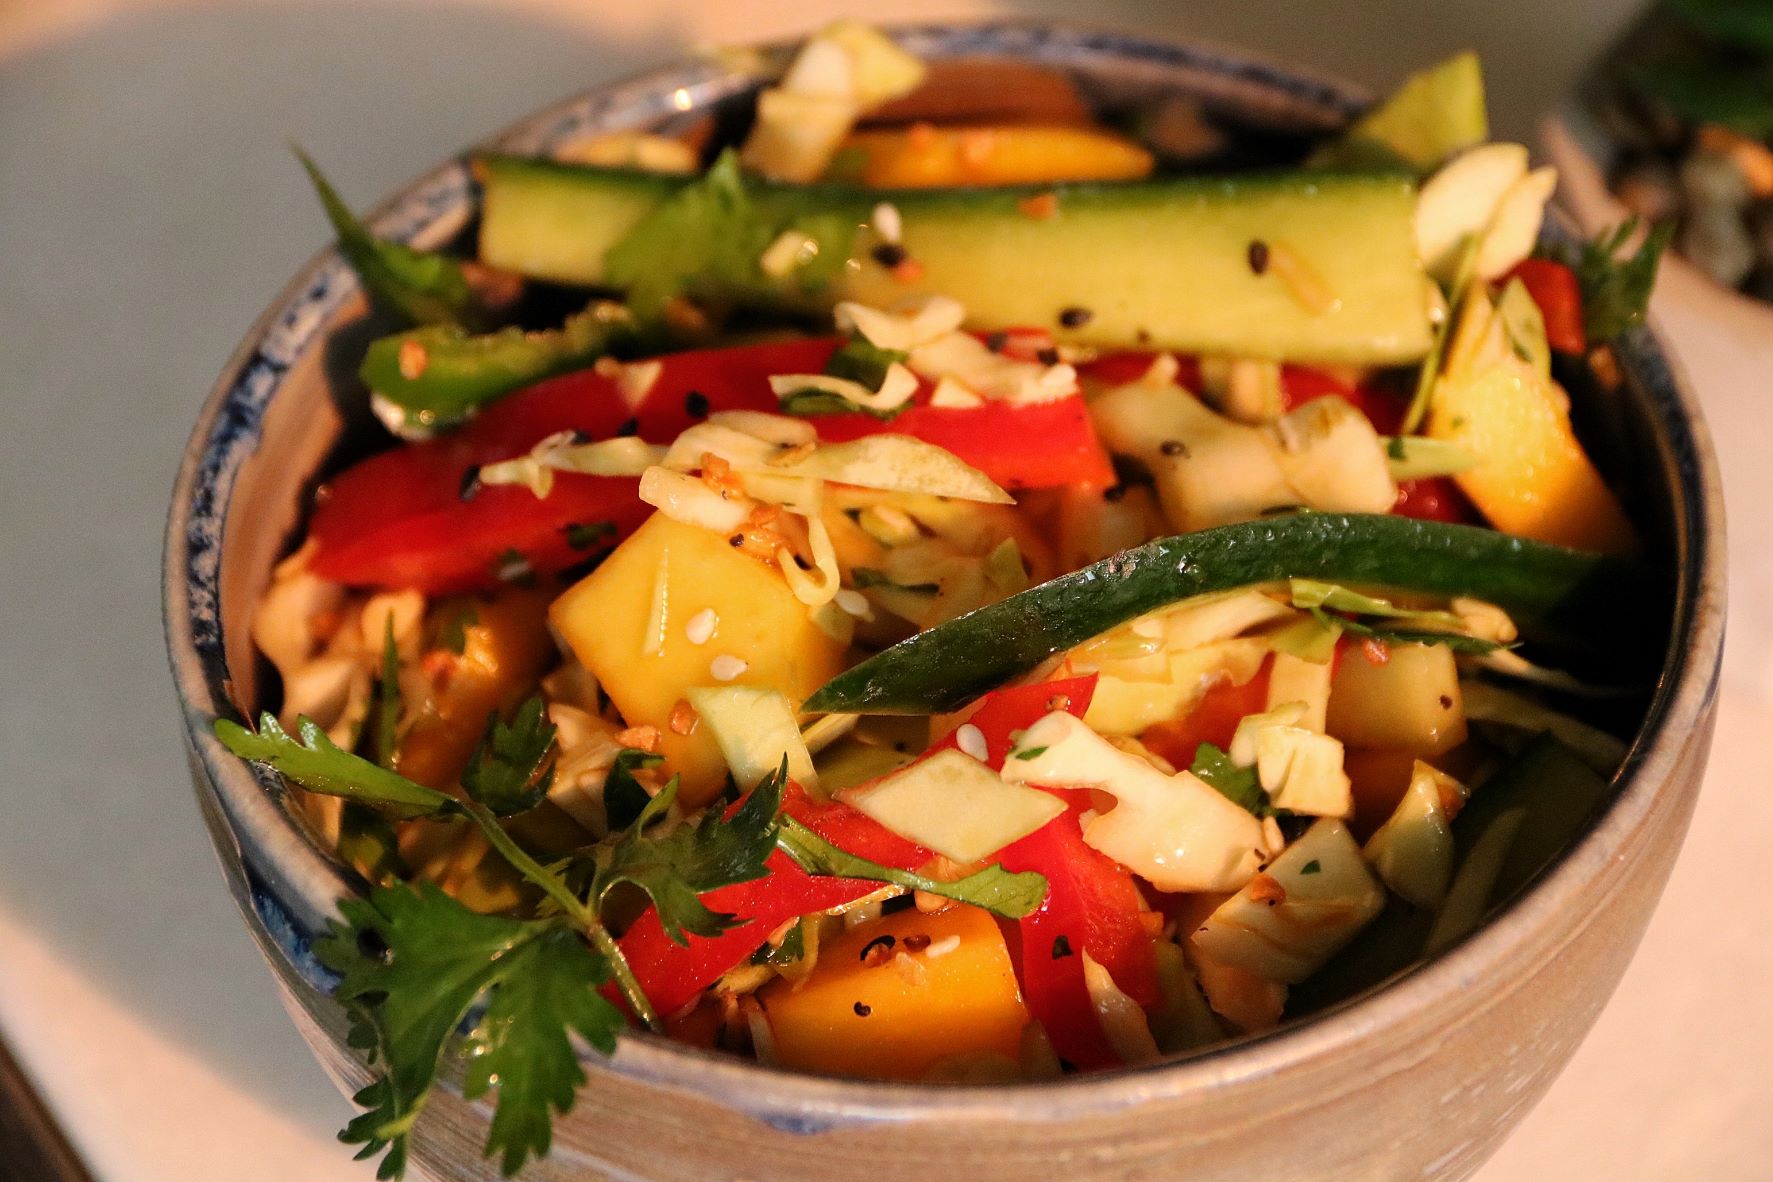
x,y
1213,720
1555,289
1092,903
1043,445
673,975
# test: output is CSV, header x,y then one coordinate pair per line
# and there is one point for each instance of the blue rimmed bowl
x,y
1418,1079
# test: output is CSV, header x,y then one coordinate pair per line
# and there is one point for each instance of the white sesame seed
x,y
886,222
700,628
726,667
855,603
941,947
971,740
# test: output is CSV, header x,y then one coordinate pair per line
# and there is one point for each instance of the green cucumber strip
x,y
1550,590
1165,261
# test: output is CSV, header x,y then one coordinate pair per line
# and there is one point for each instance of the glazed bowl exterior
x,y
1419,1079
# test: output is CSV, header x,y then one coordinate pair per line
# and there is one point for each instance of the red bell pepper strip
x,y
400,518
673,975
1094,906
1092,903
1043,445
1555,289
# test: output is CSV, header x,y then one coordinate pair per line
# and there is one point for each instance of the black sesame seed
x,y
995,341
863,1009
1446,702
736,540
1075,317
470,483
695,404
629,428
1061,947
1258,256
1048,356
889,254
886,942
1173,447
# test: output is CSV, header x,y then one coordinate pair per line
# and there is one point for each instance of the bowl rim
x,y
289,875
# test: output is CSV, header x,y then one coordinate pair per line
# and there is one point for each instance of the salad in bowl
x,y
915,578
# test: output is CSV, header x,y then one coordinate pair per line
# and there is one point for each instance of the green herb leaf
x,y
1311,867
867,576
1615,290
1459,642
509,771
588,535
422,286
810,403
1031,753
993,888
623,797
859,360
522,1046
705,241
320,765
1313,593
1237,784
414,961
453,635
388,697
690,860
791,949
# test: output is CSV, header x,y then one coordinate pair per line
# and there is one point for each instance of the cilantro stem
x,y
572,906
624,975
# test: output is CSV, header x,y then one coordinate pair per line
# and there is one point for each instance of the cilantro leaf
x,y
414,961
1616,291
510,770
1237,784
623,797
810,403
995,889
860,360
422,286
522,1046
320,765
388,697
706,240
676,867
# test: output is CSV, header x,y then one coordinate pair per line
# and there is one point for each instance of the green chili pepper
x,y
440,373
1552,591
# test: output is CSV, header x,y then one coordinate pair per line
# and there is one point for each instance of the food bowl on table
x,y
1420,1078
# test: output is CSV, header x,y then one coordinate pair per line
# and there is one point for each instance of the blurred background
x,y
149,208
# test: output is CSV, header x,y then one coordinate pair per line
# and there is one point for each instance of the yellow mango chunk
x,y
1532,478
867,1013
636,620
505,645
923,156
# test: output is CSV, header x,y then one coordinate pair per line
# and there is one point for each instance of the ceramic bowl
x,y
1419,1079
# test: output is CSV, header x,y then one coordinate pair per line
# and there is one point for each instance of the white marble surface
x,y
148,209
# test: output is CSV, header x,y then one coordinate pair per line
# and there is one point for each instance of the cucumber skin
x,y
1549,589
1163,263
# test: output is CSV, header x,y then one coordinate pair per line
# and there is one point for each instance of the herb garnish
x,y
1239,785
1615,290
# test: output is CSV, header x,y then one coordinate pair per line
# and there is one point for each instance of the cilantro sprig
x,y
418,968
1615,286
999,891
1240,785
